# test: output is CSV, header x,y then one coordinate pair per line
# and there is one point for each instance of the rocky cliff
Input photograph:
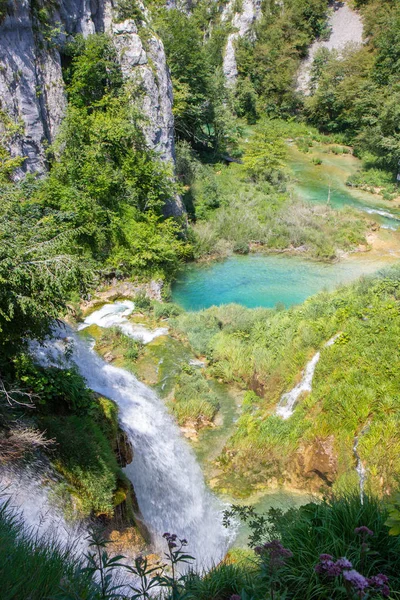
x,y
242,21
32,36
345,27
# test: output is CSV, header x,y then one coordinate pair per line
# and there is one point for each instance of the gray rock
x,y
31,84
243,24
346,28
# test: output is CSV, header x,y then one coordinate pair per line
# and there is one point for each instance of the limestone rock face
x,y
242,22
346,27
32,91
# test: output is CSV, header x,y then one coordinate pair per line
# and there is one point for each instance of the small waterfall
x,y
28,495
168,482
361,470
115,315
288,400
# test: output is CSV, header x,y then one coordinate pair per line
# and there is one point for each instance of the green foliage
x,y
165,310
194,399
326,528
110,185
356,92
265,152
355,383
56,390
33,569
202,116
128,9
115,341
37,270
85,458
393,520
282,38
93,71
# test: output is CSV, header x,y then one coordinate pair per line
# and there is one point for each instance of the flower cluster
x,y
235,597
363,531
331,568
380,583
275,551
172,540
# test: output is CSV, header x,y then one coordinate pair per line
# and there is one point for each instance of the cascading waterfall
x,y
288,400
168,482
115,315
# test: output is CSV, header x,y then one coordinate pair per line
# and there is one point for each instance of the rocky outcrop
x,y
346,28
32,91
315,465
242,23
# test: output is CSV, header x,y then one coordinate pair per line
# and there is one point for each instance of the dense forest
x,y
99,216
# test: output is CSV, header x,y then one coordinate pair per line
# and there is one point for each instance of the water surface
x,y
265,280
327,181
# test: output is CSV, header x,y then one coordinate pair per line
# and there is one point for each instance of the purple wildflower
x,y
235,597
325,557
363,531
329,568
380,584
344,563
358,581
276,552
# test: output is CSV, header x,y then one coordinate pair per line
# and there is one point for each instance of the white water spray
x,y
168,482
288,400
30,498
115,315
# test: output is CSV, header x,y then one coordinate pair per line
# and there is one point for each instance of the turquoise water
x,y
263,280
313,182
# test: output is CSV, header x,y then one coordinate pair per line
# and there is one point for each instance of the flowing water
x,y
318,183
168,481
115,315
287,402
31,499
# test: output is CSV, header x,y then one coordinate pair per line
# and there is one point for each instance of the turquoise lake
x,y
264,280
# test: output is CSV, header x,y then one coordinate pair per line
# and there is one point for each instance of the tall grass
x,y
31,569
356,387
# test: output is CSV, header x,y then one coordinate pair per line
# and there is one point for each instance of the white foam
x,y
115,315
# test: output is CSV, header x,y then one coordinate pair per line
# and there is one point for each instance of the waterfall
x,y
168,482
360,469
29,497
115,315
288,400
